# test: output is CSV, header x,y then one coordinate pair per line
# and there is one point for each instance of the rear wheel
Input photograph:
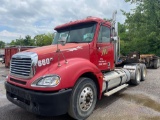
x,y
83,99
143,71
156,63
137,77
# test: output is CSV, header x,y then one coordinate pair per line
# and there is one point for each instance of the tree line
x,y
38,40
141,30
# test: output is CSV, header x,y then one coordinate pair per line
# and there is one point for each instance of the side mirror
x,y
114,38
62,41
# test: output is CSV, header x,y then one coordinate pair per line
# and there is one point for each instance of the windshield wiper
x,y
78,41
74,42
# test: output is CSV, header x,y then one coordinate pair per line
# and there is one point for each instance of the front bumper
x,y
41,103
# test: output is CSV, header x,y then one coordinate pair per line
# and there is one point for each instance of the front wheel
x,y
83,99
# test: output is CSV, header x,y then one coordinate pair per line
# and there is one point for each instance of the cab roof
x,y
88,19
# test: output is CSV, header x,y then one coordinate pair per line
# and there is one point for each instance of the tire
x,y
137,78
143,71
156,63
84,90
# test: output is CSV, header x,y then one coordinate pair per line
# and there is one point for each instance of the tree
x,y
43,39
28,41
2,44
143,26
19,41
12,42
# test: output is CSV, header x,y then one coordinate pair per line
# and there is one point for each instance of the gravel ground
x,y
140,102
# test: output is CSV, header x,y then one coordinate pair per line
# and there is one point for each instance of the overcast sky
x,y
32,17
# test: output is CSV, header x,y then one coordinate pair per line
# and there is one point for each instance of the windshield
x,y
80,33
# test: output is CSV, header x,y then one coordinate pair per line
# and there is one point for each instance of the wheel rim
x,y
138,76
86,98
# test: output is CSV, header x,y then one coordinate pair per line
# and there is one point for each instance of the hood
x,y
53,48
42,57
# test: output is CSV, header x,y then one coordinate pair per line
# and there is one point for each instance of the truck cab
x,y
94,32
72,73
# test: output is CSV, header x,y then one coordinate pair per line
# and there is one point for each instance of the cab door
x,y
105,50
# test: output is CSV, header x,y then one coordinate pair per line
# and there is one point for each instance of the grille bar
x,y
19,60
13,62
19,65
20,74
21,68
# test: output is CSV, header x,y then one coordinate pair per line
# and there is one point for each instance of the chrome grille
x,y
21,66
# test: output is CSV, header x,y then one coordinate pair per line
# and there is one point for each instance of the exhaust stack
x,y
115,38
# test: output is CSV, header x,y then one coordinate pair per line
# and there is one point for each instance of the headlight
x,y
49,80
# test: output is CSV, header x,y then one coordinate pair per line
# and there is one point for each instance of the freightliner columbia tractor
x,y
74,72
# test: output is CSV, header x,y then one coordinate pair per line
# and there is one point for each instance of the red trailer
x,y
11,50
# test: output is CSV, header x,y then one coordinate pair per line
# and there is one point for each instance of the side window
x,y
104,35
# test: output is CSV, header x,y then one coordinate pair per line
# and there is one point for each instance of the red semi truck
x,y
70,75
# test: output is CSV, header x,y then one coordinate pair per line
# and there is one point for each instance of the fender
x,y
76,67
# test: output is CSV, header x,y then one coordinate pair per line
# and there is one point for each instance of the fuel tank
x,y
116,78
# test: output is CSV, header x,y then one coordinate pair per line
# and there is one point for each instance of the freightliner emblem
x,y
104,51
